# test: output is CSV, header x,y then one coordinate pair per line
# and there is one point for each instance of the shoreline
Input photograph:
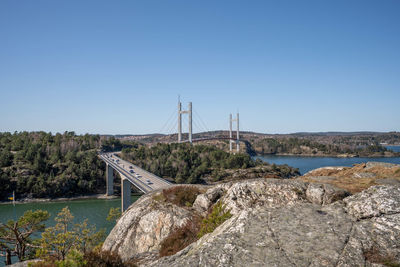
x,y
325,156
61,199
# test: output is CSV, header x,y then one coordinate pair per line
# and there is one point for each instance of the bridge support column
x,y
190,122
237,133
109,180
125,194
230,132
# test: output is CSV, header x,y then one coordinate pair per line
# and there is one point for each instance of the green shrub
x,y
218,215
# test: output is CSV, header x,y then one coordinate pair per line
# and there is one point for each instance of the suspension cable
x,y
168,121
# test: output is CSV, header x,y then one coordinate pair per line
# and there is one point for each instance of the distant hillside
x,y
311,144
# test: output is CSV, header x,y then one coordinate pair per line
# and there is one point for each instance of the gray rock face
x,y
373,202
144,225
364,175
204,201
324,194
378,234
301,235
274,223
336,168
263,193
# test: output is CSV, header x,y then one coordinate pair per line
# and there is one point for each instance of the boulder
x,y
324,194
263,193
374,201
329,168
204,201
144,225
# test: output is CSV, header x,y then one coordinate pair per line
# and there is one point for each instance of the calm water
x,y
394,148
306,164
95,210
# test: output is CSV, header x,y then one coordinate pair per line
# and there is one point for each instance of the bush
x,y
181,195
373,255
105,259
217,216
180,238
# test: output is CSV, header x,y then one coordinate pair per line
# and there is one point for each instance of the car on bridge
x,y
131,171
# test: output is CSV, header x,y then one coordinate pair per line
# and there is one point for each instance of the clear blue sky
x,y
118,66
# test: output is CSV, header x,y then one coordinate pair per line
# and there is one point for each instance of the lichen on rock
x,y
274,223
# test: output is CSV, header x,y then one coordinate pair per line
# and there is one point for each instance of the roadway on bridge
x,y
143,180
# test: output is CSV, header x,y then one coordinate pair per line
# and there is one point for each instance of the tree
x,y
63,238
6,158
114,214
58,240
87,237
15,235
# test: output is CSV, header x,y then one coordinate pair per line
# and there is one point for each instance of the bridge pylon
x,y
237,132
180,112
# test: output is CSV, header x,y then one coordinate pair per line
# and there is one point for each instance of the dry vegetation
x,y
183,196
356,178
196,226
181,237
373,255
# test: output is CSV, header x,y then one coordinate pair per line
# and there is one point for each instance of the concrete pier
x,y
109,180
125,194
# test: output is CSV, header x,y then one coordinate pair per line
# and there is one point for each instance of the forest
x,y
42,165
308,146
187,163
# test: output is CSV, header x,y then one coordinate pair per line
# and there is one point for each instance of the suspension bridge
x,y
145,181
202,126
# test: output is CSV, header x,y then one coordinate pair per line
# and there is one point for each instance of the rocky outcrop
x,y
329,168
204,201
324,194
372,164
274,223
374,202
144,225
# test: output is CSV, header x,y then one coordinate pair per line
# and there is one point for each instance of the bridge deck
x,y
141,179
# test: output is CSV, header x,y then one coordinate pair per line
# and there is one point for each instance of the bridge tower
x,y
180,112
237,132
